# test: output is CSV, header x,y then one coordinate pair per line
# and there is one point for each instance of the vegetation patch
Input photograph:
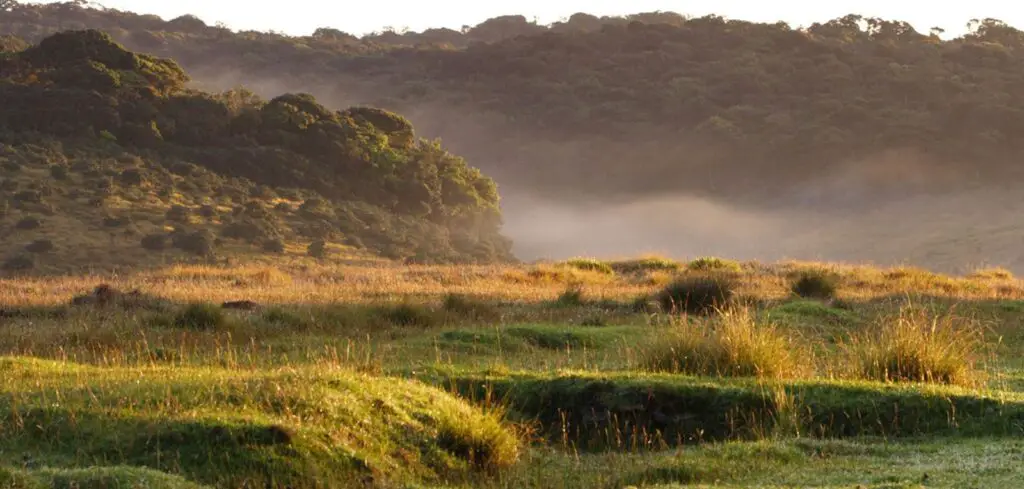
x,y
697,294
229,428
918,345
815,284
630,412
734,343
714,264
590,265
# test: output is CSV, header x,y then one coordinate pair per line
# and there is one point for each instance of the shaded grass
x,y
701,294
619,411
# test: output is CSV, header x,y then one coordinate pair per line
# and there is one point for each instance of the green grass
x,y
292,427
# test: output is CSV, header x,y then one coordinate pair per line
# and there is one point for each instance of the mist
x,y
892,208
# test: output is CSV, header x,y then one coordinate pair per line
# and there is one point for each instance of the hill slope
x,y
621,107
108,159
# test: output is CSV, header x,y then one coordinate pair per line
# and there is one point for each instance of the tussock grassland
x,y
574,374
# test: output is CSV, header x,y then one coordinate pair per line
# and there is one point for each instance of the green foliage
x,y
201,316
178,213
407,315
648,264
59,172
697,294
815,284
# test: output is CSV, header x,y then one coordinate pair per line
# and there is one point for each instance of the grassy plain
x,y
563,375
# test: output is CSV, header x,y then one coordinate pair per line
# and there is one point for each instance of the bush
x,y
154,242
59,172
590,264
40,246
208,211
18,264
697,294
116,222
198,243
11,166
734,344
28,223
29,197
917,346
815,284
201,316
317,249
572,296
273,245
712,264
251,230
178,213
131,177
407,315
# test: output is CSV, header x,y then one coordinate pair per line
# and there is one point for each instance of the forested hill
x,y
622,107
98,142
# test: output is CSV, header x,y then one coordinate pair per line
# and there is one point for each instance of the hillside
x,y
615,108
109,159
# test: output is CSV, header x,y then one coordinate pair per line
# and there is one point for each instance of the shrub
x,y
917,346
208,211
590,264
29,197
251,230
697,294
273,245
116,222
154,242
59,172
12,166
19,263
815,284
201,316
283,207
572,296
198,243
317,249
28,223
178,213
712,264
131,177
733,344
40,246
469,306
407,315
316,207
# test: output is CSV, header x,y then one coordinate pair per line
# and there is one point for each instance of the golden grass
x,y
309,282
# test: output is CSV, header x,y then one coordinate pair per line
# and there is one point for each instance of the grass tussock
x,y
714,264
734,344
590,265
646,264
697,294
815,284
995,273
917,345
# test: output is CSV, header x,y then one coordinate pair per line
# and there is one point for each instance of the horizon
x,y
417,16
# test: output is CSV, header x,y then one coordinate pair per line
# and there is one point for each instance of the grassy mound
x,y
628,411
290,428
734,344
94,478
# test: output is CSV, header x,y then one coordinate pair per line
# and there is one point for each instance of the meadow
x,y
645,372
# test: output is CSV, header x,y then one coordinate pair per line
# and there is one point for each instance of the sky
x,y
302,17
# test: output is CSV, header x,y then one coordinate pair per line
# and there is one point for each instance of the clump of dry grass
x,y
918,345
735,343
991,274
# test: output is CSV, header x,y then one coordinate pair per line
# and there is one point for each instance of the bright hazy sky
x,y
301,17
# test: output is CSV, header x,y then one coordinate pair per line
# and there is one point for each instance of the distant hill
x,y
108,160
615,108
